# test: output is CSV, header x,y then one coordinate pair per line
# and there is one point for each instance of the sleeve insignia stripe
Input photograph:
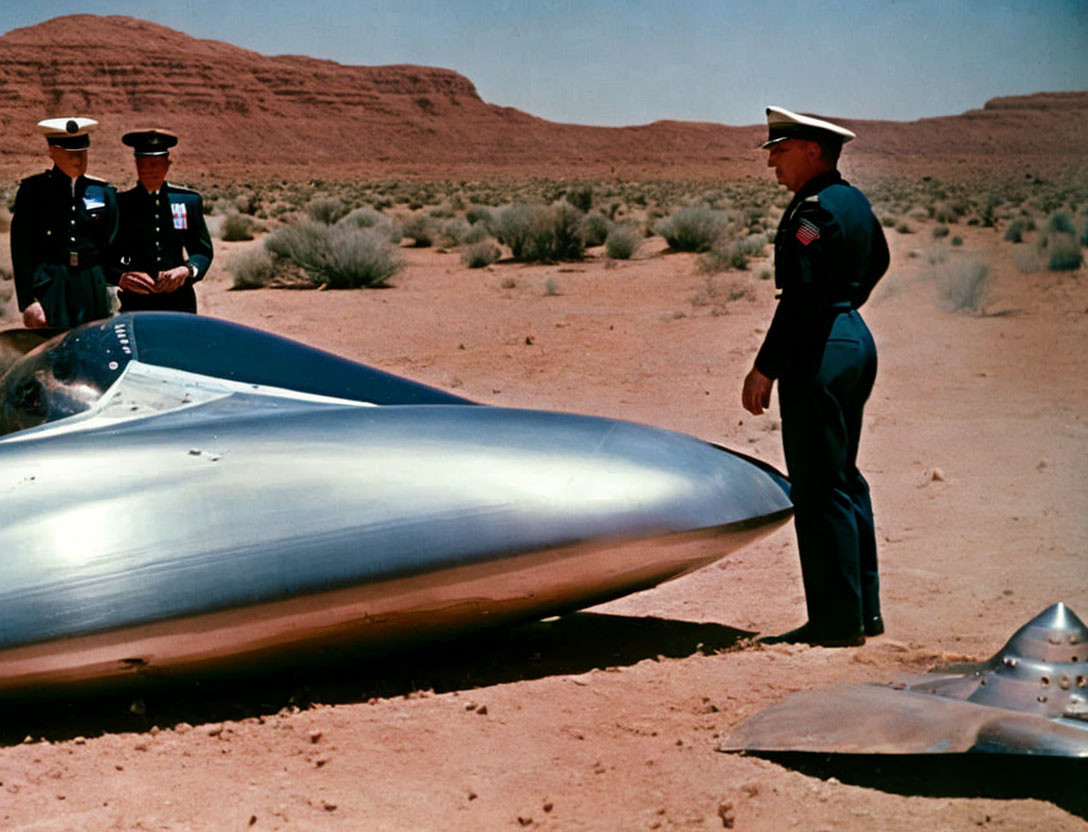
x,y
807,232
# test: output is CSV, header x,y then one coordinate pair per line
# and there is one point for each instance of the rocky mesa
x,y
250,116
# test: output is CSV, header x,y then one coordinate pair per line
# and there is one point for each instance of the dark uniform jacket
x,y
159,232
60,241
829,252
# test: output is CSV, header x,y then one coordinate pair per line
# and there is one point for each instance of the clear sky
x,y
610,62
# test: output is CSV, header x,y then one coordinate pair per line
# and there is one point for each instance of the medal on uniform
x,y
181,219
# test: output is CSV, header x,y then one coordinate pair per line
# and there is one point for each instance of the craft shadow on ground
x,y
1059,780
571,644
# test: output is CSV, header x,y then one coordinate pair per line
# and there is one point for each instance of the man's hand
x,y
172,280
34,316
140,283
757,392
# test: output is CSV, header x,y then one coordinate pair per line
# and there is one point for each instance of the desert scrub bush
x,y
595,228
557,234
1061,252
326,209
1059,244
420,228
943,212
731,254
478,214
964,285
623,241
247,203
514,228
236,227
252,269
957,241
1059,223
694,228
364,218
535,232
939,232
903,228
718,293
581,197
480,254
455,231
340,256
1015,232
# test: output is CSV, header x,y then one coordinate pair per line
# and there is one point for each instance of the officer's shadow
x,y
567,645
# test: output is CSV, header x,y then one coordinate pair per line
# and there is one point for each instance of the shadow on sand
x,y
1059,780
572,644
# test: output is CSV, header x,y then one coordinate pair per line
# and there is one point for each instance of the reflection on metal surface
x,y
185,492
1030,698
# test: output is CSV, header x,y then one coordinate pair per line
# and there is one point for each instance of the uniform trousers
x,y
833,516
71,295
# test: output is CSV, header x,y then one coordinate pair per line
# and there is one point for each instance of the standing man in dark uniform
x,y
163,246
63,225
829,252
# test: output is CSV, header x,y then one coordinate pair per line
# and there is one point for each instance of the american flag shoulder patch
x,y
807,232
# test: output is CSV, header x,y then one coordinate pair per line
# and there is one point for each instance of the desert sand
x,y
610,719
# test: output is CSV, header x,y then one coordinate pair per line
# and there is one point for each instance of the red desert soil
x,y
974,446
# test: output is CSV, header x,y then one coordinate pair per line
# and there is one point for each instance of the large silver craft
x,y
1030,698
177,491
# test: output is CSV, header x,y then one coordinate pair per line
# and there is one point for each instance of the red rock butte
x,y
247,116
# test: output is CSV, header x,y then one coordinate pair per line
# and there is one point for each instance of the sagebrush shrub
x,y
623,241
557,234
538,233
236,227
1062,252
419,228
595,228
581,197
480,254
514,228
365,217
964,285
1015,232
326,209
455,231
340,256
252,269
694,228
477,214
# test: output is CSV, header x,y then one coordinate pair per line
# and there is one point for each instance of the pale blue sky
x,y
609,62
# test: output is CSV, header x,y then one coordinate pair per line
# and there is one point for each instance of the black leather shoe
x,y
807,634
874,626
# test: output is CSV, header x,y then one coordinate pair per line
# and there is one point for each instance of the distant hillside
x,y
243,115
